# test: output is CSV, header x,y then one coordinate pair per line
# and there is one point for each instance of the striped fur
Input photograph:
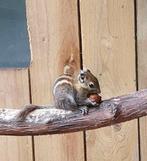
x,y
63,79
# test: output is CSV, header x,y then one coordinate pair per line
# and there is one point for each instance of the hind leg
x,y
66,104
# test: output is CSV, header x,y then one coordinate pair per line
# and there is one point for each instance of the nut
x,y
95,98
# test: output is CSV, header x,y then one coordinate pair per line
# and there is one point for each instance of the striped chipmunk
x,y
76,92
71,92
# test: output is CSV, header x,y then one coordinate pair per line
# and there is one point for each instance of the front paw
x,y
84,110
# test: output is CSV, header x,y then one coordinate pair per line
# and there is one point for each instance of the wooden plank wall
x,y
14,92
141,8
53,28
110,48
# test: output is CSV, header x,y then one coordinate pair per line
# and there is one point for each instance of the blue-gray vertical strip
x,y
14,41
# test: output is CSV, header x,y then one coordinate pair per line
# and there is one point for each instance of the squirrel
x,y
70,92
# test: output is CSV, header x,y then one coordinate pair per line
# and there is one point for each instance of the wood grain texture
x,y
14,92
141,42
108,49
48,120
53,28
142,67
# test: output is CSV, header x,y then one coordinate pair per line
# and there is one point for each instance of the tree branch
x,y
55,121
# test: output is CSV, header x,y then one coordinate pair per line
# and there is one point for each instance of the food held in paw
x,y
95,98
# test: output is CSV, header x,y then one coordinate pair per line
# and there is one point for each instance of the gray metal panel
x,y
14,42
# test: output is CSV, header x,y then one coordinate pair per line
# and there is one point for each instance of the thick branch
x,y
55,121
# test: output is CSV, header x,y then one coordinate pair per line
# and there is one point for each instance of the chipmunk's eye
x,y
91,85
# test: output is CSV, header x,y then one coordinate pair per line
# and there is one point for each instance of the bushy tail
x,y
70,66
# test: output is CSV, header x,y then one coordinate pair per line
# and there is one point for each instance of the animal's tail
x,y
70,66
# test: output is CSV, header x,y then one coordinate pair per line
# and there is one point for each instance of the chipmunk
x,y
70,92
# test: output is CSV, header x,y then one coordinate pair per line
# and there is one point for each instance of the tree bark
x,y
48,120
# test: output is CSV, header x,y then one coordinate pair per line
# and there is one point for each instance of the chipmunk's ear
x,y
86,70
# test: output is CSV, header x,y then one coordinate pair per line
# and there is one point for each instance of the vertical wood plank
x,y
109,51
14,92
142,68
141,43
53,28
